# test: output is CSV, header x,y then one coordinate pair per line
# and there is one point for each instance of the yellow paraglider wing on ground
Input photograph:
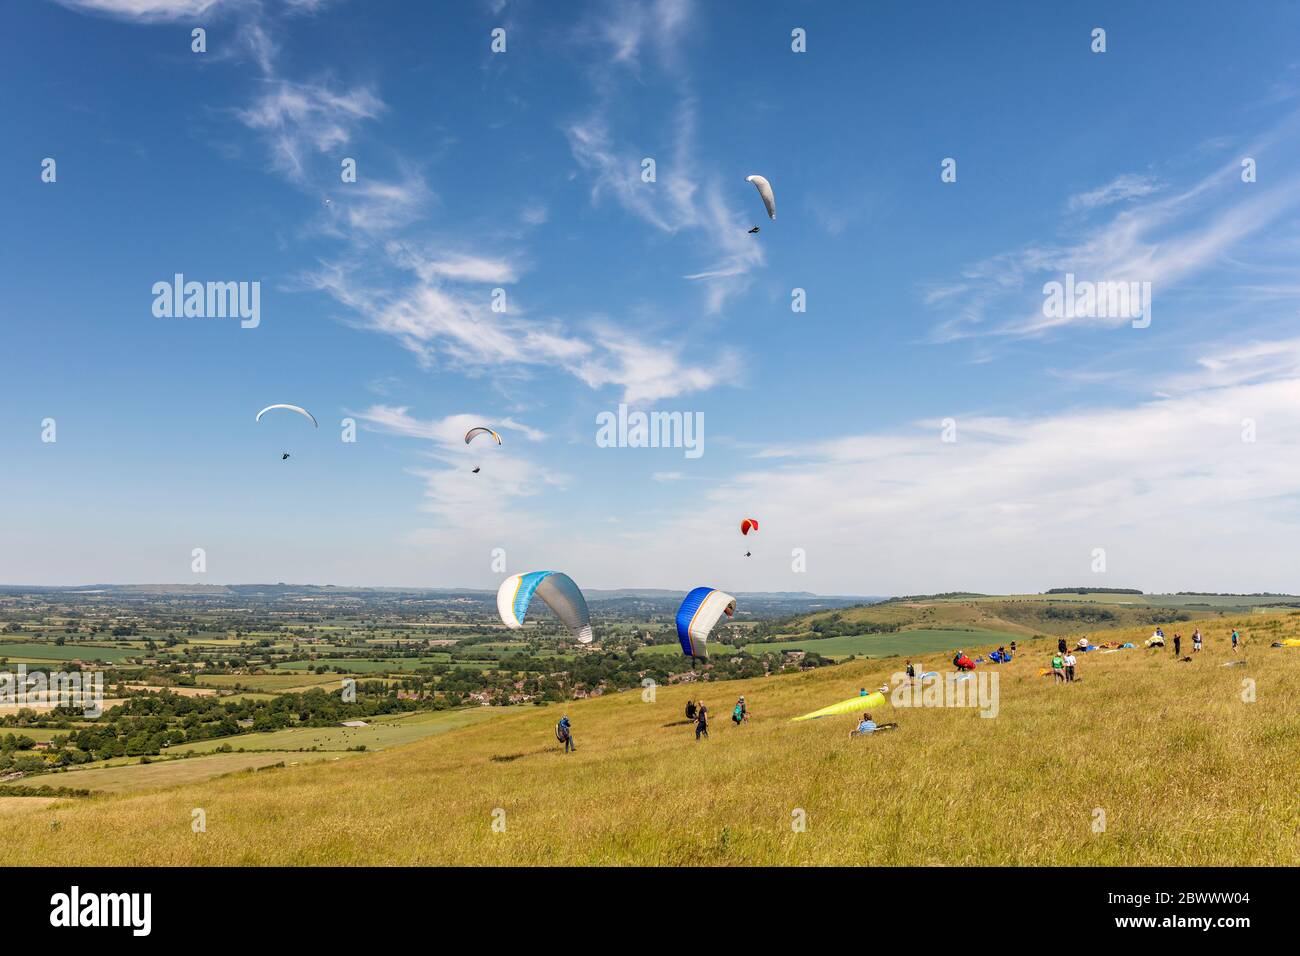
x,y
847,706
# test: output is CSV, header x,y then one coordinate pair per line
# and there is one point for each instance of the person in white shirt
x,y
1069,667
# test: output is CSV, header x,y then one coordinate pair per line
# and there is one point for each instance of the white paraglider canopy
x,y
765,190
291,408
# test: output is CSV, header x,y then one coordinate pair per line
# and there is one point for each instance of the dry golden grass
x,y
1185,771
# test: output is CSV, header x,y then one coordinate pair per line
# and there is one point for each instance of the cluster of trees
x,y
1092,591
17,752
833,625
1088,615
147,725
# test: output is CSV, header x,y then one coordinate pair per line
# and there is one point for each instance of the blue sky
x,y
521,171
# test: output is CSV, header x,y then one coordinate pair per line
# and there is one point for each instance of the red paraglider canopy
x,y
748,525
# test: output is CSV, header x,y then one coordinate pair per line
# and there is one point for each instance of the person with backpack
x,y
739,713
1235,639
564,733
701,721
1058,669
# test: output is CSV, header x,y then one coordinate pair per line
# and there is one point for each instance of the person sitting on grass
x,y
867,726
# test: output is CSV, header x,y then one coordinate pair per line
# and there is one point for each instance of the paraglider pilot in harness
x,y
564,733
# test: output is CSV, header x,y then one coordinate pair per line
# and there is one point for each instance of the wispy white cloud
x,y
1164,240
305,119
627,28
534,214
470,510
647,371
448,432
1167,486
683,198
379,206
1121,188
443,313
149,11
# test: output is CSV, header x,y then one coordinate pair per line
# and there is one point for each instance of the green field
x,y
37,651
271,683
369,666
1227,603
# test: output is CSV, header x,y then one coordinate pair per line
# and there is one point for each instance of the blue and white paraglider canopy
x,y
697,616
555,588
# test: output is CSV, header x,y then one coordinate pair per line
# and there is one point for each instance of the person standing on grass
x,y
911,672
740,713
566,734
1060,646
1058,669
1069,663
1196,640
701,721
1178,644
1235,639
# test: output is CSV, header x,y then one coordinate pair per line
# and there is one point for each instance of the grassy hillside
x,y
1183,768
918,642
934,625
